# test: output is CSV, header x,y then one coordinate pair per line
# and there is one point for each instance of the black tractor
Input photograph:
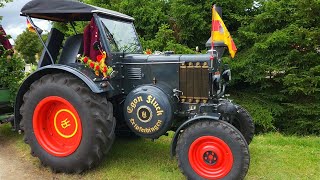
x,y
98,83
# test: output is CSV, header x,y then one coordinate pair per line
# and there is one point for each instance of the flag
x,y
221,33
30,27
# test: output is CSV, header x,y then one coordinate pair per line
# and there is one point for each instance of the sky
x,y
13,23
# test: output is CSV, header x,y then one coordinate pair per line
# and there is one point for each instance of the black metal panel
x,y
139,69
166,73
54,43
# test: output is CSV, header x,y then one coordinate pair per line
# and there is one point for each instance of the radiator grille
x,y
194,82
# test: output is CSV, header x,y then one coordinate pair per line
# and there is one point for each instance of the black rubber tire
x,y
242,120
219,129
122,130
96,115
244,123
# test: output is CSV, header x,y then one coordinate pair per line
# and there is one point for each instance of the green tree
x,y
279,62
11,72
191,20
2,2
165,41
28,45
149,15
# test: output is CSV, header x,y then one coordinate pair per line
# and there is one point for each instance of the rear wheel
x,y
68,127
212,150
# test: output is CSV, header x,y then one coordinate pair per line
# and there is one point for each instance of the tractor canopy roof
x,y
67,10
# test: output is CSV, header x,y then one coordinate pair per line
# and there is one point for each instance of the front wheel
x,y
240,118
212,150
68,127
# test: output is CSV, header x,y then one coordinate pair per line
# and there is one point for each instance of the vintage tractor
x,y
91,86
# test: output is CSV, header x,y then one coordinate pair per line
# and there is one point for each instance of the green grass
x,y
273,156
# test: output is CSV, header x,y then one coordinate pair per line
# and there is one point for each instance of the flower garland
x,y
98,66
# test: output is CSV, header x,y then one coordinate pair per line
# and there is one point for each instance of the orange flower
x,y
148,51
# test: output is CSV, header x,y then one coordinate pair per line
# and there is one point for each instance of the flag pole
x,y
212,34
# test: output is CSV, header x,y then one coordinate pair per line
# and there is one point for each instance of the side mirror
x,y
226,75
96,46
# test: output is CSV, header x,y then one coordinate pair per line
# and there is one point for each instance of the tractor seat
x,y
72,47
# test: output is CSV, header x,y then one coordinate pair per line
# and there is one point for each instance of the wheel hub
x,y
57,126
210,158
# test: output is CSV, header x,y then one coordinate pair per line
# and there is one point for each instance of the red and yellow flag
x,y
30,27
221,33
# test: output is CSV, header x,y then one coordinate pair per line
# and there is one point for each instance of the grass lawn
x,y
273,156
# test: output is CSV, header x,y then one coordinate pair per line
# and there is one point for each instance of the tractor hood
x,y
175,58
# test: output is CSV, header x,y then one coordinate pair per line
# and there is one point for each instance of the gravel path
x,y
17,166
14,166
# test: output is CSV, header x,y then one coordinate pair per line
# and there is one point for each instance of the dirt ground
x,y
13,166
16,166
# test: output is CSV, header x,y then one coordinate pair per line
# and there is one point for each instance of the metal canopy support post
x,y
39,35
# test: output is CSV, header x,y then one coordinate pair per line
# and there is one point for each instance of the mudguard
x,y
197,118
78,70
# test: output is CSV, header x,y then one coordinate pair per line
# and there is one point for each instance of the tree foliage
x,y
2,2
28,45
279,61
11,71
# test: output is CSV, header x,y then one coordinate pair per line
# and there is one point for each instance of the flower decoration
x,y
98,66
148,51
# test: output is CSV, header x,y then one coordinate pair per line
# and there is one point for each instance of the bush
x,y
11,72
278,64
260,109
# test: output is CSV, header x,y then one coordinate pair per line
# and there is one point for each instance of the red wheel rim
x,y
210,157
57,126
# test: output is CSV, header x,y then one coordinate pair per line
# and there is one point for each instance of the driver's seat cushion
x,y
72,47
